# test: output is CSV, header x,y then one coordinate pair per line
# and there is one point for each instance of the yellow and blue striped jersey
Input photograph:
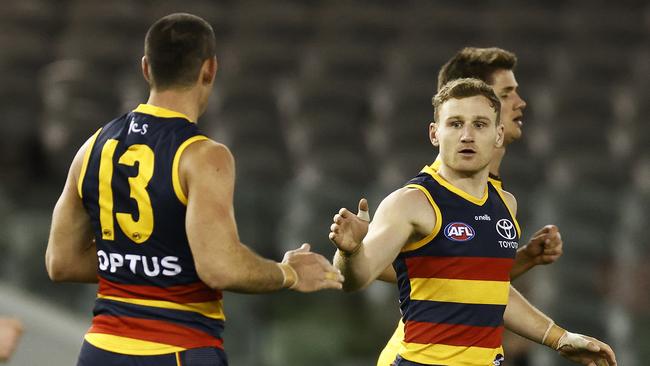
x,y
150,299
454,283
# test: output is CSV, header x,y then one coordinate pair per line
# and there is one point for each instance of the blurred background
x,y
323,102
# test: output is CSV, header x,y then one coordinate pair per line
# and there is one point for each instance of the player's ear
x,y
433,129
209,71
500,135
145,69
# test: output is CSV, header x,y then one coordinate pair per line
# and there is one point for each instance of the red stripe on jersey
x,y
453,334
183,294
154,331
460,268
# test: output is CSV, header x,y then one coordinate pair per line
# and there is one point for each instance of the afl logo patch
x,y
459,231
506,229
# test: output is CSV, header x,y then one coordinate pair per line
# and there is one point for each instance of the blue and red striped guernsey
x,y
454,283
150,299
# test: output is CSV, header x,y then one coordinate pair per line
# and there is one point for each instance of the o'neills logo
x,y
459,231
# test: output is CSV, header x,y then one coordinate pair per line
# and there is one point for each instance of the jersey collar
x,y
160,112
434,174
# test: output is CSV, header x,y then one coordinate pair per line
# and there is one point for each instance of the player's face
x,y
466,133
512,105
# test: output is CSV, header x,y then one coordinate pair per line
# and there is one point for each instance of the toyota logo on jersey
x,y
459,231
506,229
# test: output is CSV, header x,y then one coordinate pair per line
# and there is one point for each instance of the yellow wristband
x,y
552,336
289,276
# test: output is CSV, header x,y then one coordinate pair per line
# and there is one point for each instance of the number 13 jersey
x,y
150,299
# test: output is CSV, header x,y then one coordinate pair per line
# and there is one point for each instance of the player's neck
x,y
497,158
471,183
178,101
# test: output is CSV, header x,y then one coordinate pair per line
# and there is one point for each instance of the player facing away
x,y
147,211
452,238
494,66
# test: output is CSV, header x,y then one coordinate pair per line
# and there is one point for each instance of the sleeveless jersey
x,y
454,283
388,354
150,299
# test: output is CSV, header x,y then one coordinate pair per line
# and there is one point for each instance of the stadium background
x,y
325,101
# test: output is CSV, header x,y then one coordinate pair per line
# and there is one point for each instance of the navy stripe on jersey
x,y
479,315
213,327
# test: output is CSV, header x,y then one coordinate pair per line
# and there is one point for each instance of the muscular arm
x,y
207,174
402,217
71,255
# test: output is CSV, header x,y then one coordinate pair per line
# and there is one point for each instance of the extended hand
x,y
313,271
348,230
545,246
586,350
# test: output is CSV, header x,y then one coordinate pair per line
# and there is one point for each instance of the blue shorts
x,y
208,356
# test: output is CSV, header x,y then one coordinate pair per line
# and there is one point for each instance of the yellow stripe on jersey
x,y
441,354
496,183
436,228
84,164
160,112
514,219
209,309
176,180
129,346
460,291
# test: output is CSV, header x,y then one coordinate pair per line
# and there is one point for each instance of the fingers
x,y
345,213
610,357
593,347
551,229
333,285
363,212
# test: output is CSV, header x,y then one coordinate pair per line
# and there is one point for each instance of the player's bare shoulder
x,y
206,164
415,205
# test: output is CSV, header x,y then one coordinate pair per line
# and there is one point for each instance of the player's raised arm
x,y
358,227
222,262
405,215
71,254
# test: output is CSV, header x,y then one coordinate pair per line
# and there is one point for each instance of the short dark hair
x,y
465,88
477,63
176,46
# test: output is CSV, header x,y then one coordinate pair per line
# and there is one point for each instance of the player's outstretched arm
x,y
357,226
207,173
544,247
403,216
527,321
71,254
